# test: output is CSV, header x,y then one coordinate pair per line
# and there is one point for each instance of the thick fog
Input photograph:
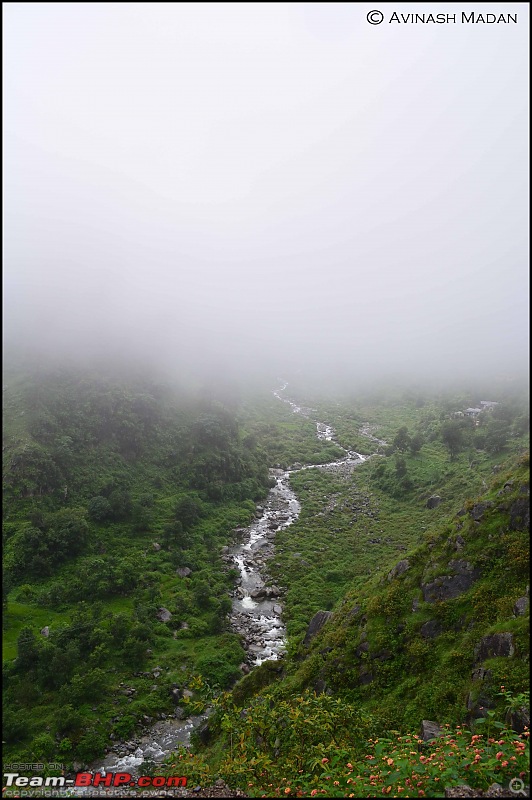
x,y
278,186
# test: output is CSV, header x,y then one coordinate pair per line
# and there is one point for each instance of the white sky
x,y
267,182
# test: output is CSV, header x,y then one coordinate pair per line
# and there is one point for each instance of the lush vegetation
x,y
119,496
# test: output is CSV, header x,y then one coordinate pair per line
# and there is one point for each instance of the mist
x,y
250,188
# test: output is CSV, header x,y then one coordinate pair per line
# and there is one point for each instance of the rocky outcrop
x,y
431,629
183,572
478,510
163,615
429,730
316,624
434,501
399,569
494,646
520,514
447,587
521,606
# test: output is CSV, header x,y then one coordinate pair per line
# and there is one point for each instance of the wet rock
x,y
244,668
429,730
316,624
520,606
433,501
494,646
399,569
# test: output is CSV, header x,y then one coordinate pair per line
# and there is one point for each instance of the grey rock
x,y
244,668
316,624
163,615
520,515
518,719
448,587
183,572
45,631
459,542
431,629
477,512
494,646
521,606
480,674
399,569
434,501
156,546
429,730
365,676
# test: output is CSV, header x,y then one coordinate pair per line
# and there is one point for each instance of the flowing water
x,y
257,608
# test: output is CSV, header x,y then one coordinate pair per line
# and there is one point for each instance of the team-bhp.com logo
x,y
115,779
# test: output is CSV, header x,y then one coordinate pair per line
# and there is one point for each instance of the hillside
x,y
443,636
405,577
118,496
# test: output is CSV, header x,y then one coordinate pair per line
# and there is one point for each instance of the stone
x,y
431,629
399,569
477,512
244,668
316,624
45,631
163,615
320,687
362,648
520,606
433,501
156,546
494,646
183,572
447,587
459,542
518,719
480,674
176,695
429,730
365,676
520,514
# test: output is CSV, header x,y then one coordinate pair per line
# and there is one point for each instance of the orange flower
x,y
504,763
499,754
324,760
389,761
314,792
287,790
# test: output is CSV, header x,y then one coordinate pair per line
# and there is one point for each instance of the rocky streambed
x,y
257,605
